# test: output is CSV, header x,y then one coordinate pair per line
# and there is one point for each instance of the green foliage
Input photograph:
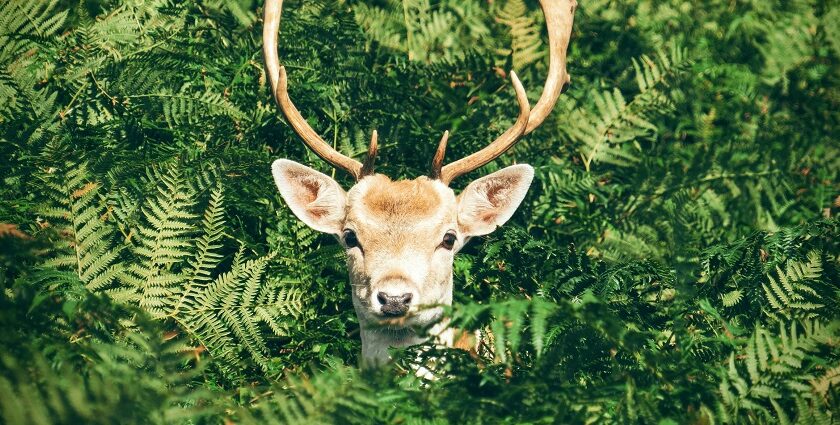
x,y
173,270
615,121
526,45
676,259
774,363
790,295
77,362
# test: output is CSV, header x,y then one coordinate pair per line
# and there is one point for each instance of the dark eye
x,y
449,240
350,239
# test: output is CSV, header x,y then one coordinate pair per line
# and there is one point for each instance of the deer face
x,y
401,236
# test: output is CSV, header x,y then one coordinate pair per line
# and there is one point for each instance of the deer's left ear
x,y
490,201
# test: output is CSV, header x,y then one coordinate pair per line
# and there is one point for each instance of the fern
x,y
655,72
791,296
27,30
683,214
22,20
78,214
186,107
526,45
604,134
423,30
338,396
829,380
174,277
162,242
732,298
831,31
206,258
787,47
227,312
136,379
170,276
508,324
773,364
563,192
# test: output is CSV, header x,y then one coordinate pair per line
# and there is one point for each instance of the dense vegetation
x,y
677,259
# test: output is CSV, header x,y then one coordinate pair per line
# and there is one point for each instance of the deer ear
x,y
315,198
490,201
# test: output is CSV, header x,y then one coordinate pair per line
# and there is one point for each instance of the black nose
x,y
394,305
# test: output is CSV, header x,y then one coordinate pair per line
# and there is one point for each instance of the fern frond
x,y
225,312
524,29
731,298
77,209
830,379
605,132
337,396
652,72
206,258
774,363
425,31
186,107
510,320
791,294
162,243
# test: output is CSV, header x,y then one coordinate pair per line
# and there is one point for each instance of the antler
x,y
559,17
278,79
492,151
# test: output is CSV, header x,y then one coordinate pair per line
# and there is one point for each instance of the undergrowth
x,y
676,260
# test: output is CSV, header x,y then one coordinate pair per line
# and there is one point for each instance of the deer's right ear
x,y
315,198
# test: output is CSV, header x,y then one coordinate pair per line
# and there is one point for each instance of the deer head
x,y
401,236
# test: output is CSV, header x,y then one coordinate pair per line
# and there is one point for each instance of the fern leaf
x,y
526,44
732,298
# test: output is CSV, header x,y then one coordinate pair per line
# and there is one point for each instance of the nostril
x,y
394,305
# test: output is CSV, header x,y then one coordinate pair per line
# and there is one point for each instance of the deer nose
x,y
394,305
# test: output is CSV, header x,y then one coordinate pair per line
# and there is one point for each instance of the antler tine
x,y
493,150
370,159
437,161
278,79
559,17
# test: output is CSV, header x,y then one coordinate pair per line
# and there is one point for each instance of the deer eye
x,y
350,239
449,240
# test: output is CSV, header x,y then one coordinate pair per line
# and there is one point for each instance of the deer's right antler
x,y
279,81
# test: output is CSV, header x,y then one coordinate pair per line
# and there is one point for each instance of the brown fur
x,y
407,198
464,340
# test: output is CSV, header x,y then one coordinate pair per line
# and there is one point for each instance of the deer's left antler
x,y
559,18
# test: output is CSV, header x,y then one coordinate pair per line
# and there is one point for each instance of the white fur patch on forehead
x,y
380,197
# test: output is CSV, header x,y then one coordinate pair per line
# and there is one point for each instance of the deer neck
x,y
376,342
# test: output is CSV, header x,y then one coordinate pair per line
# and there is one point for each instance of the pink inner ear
x,y
487,216
310,187
317,212
493,195
308,195
498,192
311,193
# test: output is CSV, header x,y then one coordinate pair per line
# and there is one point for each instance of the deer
x,y
401,236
